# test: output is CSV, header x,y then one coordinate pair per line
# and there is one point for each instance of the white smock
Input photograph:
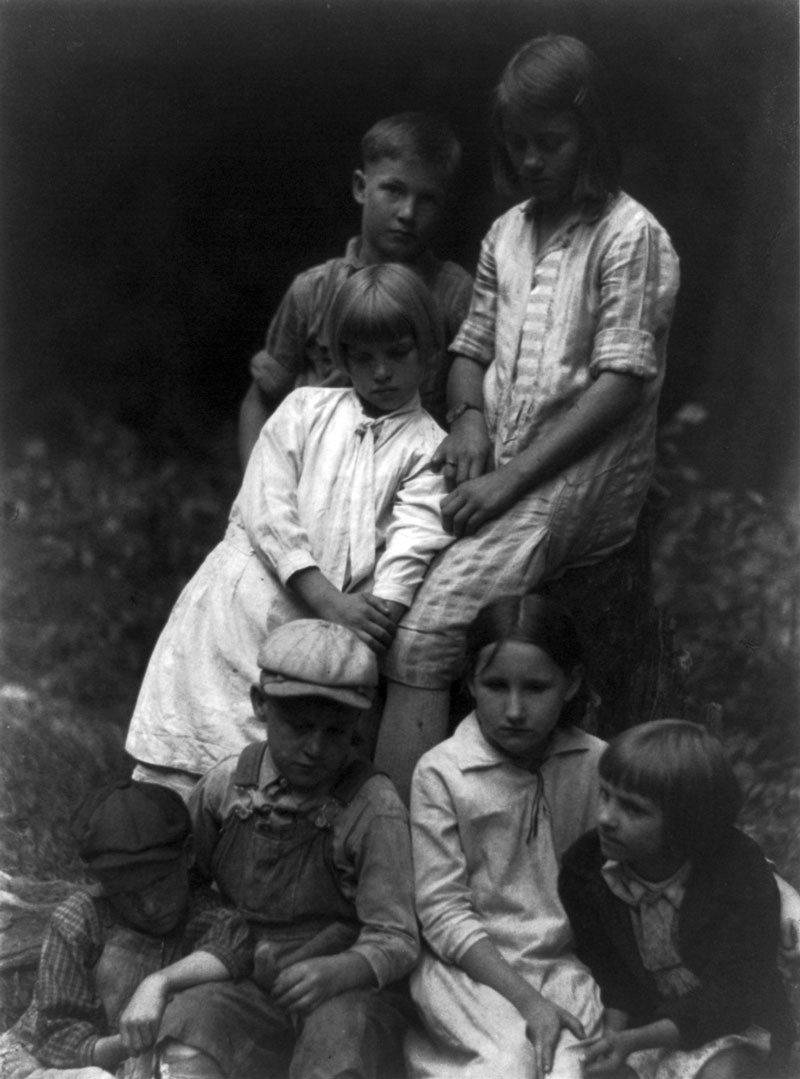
x,y
326,486
487,837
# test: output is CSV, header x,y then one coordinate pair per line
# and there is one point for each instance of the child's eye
x,y
399,352
551,143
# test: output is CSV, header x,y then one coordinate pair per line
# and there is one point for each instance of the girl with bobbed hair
x,y
554,387
676,914
337,518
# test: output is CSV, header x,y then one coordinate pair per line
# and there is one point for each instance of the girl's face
x,y
545,150
519,694
385,374
631,830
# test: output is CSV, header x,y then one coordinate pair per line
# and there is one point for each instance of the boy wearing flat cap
x,y
313,846
114,954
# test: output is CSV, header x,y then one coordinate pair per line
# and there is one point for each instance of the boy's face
x,y
402,201
152,897
385,374
310,738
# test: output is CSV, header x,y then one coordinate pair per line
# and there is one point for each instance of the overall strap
x,y
352,779
248,767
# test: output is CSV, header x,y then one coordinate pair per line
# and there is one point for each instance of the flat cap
x,y
313,658
130,822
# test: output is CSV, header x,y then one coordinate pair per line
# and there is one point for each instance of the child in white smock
x,y
493,808
337,518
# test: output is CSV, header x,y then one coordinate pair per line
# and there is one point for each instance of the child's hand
x,y
369,617
466,453
139,1023
305,985
475,502
606,1056
544,1022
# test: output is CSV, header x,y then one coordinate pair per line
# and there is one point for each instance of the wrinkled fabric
x,y
91,964
325,486
545,324
486,854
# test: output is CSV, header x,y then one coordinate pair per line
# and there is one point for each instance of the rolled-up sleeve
x,y
220,931
286,336
476,338
450,924
639,280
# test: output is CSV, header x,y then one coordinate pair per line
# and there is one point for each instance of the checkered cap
x,y
130,822
312,658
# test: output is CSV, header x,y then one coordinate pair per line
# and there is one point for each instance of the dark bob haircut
x,y
383,301
557,73
683,769
530,619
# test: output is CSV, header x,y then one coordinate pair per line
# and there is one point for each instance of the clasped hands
x,y
477,493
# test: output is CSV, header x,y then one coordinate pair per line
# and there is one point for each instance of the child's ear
x,y
574,682
258,702
359,186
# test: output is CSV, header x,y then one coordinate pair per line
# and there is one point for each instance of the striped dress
x,y
597,297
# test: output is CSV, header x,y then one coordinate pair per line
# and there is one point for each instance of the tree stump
x,y
634,673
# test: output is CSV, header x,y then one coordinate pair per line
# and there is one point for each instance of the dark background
x,y
167,167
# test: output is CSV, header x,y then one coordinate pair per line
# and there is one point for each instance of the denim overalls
x,y
276,866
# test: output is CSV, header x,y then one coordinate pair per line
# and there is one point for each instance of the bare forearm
x,y
316,590
372,619
484,964
192,970
465,383
662,1034
608,401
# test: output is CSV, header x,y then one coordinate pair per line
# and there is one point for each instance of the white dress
x,y
325,486
487,837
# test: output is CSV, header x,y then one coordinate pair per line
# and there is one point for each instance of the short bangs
x,y
384,302
682,768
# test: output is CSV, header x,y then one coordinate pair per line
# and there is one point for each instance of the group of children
x,y
556,907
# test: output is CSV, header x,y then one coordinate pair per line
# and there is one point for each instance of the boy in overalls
x,y
313,846
112,955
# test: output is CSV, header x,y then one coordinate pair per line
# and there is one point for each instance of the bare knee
x,y
735,1063
179,1061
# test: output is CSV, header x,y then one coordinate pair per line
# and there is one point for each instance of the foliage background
x,y
167,168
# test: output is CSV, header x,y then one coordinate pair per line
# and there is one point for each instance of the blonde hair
x,y
385,301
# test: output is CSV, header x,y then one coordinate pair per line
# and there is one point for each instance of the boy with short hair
x,y
312,845
409,163
112,956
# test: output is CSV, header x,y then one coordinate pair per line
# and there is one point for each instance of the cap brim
x,y
116,859
286,688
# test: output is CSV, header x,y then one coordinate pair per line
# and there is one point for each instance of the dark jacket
x,y
728,936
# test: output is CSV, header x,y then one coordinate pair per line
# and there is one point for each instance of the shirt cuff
x,y
626,352
292,562
482,352
387,968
